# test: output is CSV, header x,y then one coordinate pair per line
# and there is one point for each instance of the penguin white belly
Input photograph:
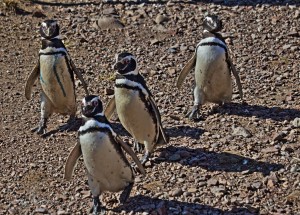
x,y
134,115
57,83
212,74
106,169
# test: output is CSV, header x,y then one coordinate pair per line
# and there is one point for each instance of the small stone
x,y
286,46
297,14
41,210
278,136
154,41
270,183
295,168
241,131
212,182
171,71
161,18
271,149
109,23
62,212
192,190
202,184
177,192
256,185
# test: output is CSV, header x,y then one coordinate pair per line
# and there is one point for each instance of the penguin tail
x,y
163,138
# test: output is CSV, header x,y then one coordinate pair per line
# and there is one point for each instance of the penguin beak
x,y
87,110
119,66
48,32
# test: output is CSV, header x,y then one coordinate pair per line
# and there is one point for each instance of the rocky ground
x,y
244,158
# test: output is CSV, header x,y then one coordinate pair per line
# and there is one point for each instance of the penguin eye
x,y
95,103
126,61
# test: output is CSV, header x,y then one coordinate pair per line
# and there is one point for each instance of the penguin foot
x,y
135,169
194,114
97,209
145,158
40,129
126,193
138,147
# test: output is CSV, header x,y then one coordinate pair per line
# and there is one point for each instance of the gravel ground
x,y
244,158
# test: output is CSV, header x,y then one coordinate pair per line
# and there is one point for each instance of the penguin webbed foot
x,y
126,193
194,114
135,168
138,147
97,209
41,128
145,158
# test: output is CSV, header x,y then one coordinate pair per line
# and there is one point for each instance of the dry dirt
x,y
244,158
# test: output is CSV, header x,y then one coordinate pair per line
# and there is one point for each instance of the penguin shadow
x,y
140,204
73,128
184,131
216,161
262,112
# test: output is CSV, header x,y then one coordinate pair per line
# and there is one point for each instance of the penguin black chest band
x,y
213,44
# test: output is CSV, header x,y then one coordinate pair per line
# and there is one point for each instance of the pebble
x,y
177,192
161,19
295,168
41,210
241,131
62,212
212,182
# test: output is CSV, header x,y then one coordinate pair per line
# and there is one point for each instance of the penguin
x,y
55,70
106,166
213,68
136,107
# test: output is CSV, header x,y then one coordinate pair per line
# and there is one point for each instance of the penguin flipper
x,y
72,161
157,115
186,69
79,75
110,108
237,77
131,153
30,80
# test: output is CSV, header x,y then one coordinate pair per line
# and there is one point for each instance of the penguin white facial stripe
x,y
132,84
44,24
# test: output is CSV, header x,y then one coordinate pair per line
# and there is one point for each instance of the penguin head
x,y
91,106
212,23
49,29
126,64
